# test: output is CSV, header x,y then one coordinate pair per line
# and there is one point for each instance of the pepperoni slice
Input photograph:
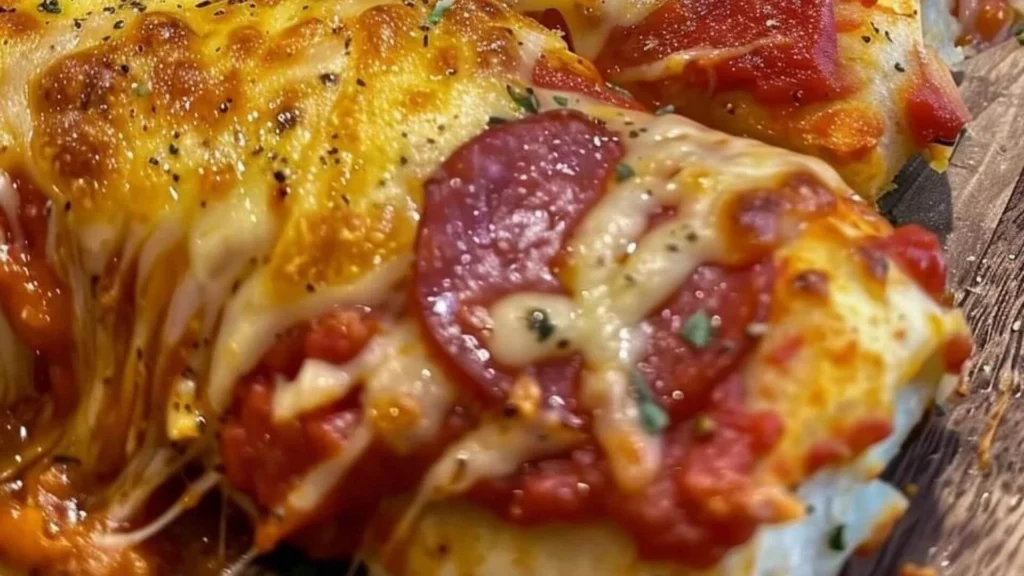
x,y
496,215
702,333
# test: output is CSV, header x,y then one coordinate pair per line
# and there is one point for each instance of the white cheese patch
x,y
251,320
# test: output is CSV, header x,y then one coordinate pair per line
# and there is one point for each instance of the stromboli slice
x,y
829,321
846,81
359,263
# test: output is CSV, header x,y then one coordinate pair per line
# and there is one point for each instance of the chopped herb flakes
x,y
495,120
697,329
652,416
439,10
837,539
540,324
667,109
561,100
624,172
1020,37
525,98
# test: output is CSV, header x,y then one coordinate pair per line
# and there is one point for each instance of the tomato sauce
x,y
555,73
779,51
934,111
35,300
919,254
266,459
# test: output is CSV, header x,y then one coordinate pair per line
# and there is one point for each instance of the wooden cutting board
x,y
967,519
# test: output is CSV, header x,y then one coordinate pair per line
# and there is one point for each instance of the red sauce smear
x,y
266,459
918,253
780,52
35,300
934,110
554,72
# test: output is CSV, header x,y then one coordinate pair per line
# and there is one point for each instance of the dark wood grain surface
x,y
967,520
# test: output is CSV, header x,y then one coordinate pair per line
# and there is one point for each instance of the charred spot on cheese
x,y
762,219
811,282
875,263
50,7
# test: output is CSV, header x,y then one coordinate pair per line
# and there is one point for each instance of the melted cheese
x,y
319,384
250,322
406,401
495,449
318,482
592,21
16,366
407,396
9,204
676,63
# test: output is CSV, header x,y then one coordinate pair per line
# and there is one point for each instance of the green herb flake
x,y
1020,37
540,324
624,172
653,417
667,109
50,7
525,98
837,539
697,330
561,100
439,10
